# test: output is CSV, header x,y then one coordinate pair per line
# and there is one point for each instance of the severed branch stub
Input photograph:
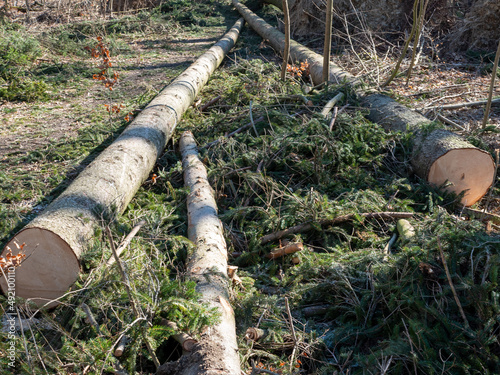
x,y
120,348
482,216
285,250
254,334
126,242
186,341
90,317
232,274
405,230
331,103
210,103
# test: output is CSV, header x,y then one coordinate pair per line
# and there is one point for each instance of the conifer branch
x,y
304,227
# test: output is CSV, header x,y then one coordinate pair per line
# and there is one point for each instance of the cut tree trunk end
x,y
56,238
217,349
441,157
396,117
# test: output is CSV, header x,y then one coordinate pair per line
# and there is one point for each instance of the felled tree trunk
x,y
56,239
217,349
439,156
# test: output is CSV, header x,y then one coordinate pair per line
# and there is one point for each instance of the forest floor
x,y
355,308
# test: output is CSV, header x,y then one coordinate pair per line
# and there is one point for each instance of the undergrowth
x,y
355,309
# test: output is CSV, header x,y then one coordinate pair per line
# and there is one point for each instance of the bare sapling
x,y
421,16
492,86
328,41
286,50
405,48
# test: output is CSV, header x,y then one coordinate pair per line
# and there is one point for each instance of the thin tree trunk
x,y
492,87
286,49
328,41
439,156
217,349
57,237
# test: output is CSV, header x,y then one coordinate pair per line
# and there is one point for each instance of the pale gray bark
x,y
217,349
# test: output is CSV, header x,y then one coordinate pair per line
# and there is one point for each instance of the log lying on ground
x,y
439,156
217,350
56,238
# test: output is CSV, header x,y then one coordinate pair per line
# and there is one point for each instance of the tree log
x,y
439,156
217,350
56,238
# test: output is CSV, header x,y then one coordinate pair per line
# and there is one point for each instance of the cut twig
x,y
286,50
90,317
387,248
331,103
335,115
120,348
483,216
126,242
462,105
292,328
288,249
334,118
492,86
445,265
186,341
450,122
304,227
